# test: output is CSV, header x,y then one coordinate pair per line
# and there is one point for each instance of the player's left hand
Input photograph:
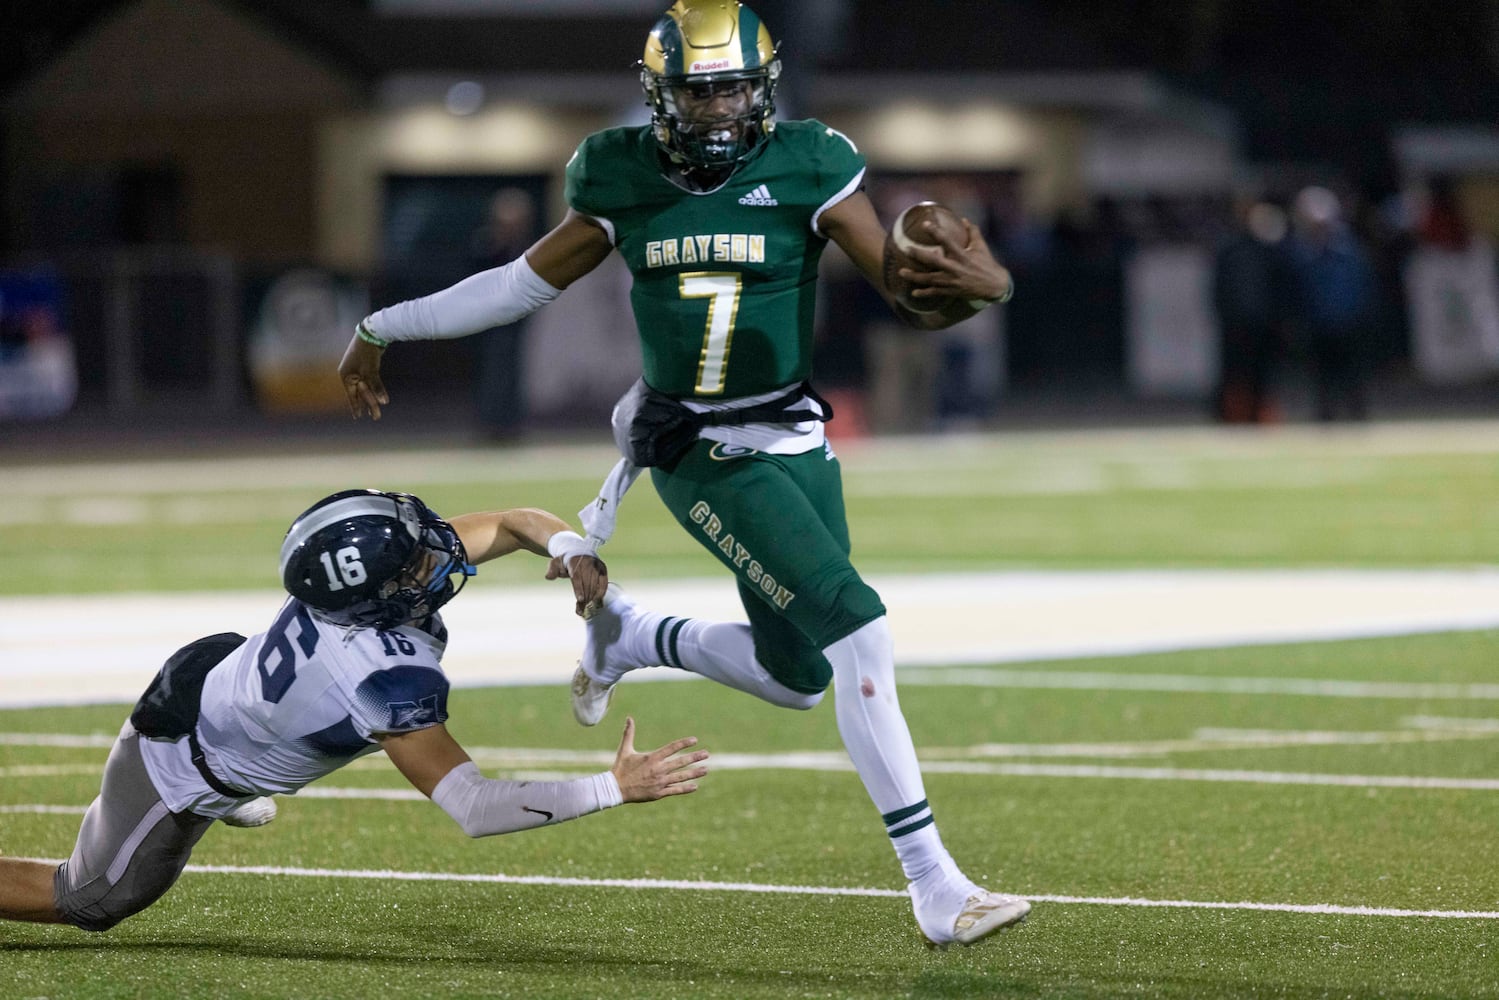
x,y
590,579
656,774
957,271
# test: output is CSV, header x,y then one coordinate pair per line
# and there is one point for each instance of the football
x,y
912,229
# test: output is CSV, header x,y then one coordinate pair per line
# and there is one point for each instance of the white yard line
x,y
695,885
1196,684
45,810
91,649
51,770
1210,774
838,761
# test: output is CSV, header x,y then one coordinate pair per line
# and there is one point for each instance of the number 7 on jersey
x,y
723,289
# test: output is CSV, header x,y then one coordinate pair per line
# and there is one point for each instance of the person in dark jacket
x,y
1249,290
1333,295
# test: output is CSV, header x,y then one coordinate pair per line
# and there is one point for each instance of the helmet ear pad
x,y
367,558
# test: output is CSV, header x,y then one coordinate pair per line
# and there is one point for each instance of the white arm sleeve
x,y
484,806
496,297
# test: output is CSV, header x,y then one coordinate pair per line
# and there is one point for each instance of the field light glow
x,y
508,136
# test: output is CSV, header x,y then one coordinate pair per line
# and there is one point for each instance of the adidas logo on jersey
x,y
759,196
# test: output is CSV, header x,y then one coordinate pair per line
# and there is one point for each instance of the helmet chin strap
x,y
696,178
699,177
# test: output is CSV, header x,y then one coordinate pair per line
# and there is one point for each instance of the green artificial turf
x,y
1061,838
1151,826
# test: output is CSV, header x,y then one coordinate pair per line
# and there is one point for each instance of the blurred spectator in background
x,y
38,373
1332,296
1249,295
1441,225
1022,241
903,363
838,351
972,370
500,382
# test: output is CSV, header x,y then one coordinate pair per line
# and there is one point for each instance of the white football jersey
x,y
300,700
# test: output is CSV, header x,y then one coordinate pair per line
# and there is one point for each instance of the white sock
x,y
720,651
879,743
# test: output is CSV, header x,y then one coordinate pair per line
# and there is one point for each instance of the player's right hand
x,y
590,578
646,777
359,372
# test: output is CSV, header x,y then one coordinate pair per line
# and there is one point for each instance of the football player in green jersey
x,y
721,214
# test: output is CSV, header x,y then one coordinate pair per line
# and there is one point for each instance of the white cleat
x,y
986,912
603,627
590,698
983,914
254,812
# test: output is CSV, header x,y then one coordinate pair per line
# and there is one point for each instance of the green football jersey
x,y
725,281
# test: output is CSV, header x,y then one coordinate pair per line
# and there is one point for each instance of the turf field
x,y
1312,820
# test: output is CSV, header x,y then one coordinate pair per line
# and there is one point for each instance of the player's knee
x,y
95,907
864,660
800,700
811,677
852,605
96,918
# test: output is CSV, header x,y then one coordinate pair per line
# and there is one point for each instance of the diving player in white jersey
x,y
351,665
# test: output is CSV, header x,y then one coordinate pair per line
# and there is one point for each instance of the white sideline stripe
x,y
1209,740
376,794
1203,774
1451,724
92,649
689,885
1420,729
838,761
1187,683
46,810
1326,908
55,740
49,770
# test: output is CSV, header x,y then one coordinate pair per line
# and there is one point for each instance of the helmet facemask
x,y
701,138
425,583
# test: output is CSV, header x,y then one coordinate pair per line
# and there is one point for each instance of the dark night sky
x,y
1309,80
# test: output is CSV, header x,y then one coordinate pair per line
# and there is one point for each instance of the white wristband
x,y
569,545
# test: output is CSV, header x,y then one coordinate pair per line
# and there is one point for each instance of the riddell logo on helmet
x,y
708,67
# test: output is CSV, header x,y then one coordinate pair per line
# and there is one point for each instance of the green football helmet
x,y
697,48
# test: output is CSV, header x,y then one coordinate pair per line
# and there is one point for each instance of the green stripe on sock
x,y
675,659
912,828
906,812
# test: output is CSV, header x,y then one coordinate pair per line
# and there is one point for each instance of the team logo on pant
x,y
702,515
723,452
